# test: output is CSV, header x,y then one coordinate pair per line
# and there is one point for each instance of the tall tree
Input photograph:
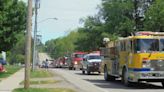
x,y
91,34
62,46
12,22
16,54
154,17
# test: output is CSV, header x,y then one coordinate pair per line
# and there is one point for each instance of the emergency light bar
x,y
147,33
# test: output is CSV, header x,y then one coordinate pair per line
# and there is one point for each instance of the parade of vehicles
x,y
91,63
135,58
75,60
60,62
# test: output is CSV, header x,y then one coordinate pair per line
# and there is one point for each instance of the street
x,y
96,83
45,43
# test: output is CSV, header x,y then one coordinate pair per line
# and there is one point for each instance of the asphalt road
x,y
96,83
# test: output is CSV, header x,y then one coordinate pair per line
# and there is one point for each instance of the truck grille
x,y
157,65
96,64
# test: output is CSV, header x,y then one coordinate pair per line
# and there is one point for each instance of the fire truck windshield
x,y
94,57
79,55
146,45
162,44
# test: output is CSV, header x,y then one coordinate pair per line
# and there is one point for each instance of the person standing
x,y
46,64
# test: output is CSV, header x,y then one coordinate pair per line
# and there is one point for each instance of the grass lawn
x,y
10,70
43,90
42,82
41,74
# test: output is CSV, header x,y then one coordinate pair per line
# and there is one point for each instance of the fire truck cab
x,y
76,59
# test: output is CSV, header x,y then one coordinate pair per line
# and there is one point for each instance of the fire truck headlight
x,y
146,63
61,63
75,62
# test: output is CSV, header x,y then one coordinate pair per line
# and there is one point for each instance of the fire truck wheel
x,y
70,68
107,77
83,71
88,72
163,83
125,77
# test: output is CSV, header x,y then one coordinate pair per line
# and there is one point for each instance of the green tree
x,y
12,22
62,46
154,20
118,16
16,54
115,19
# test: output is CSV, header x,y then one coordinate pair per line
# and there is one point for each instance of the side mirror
x,y
84,59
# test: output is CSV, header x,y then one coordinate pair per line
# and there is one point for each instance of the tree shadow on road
x,y
118,85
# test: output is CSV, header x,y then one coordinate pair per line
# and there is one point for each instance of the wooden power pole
x,y
28,45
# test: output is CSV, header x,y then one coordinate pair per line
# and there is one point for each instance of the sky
x,y
68,13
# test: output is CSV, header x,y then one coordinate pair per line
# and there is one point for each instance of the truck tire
x,y
88,72
99,72
125,78
162,84
107,77
83,71
70,68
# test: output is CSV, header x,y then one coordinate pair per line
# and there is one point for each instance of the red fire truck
x,y
75,60
60,62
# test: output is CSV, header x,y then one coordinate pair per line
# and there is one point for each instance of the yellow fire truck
x,y
135,58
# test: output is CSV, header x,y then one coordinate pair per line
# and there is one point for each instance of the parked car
x,y
2,63
91,63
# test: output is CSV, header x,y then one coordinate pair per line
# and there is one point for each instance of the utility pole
x,y
37,6
28,45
